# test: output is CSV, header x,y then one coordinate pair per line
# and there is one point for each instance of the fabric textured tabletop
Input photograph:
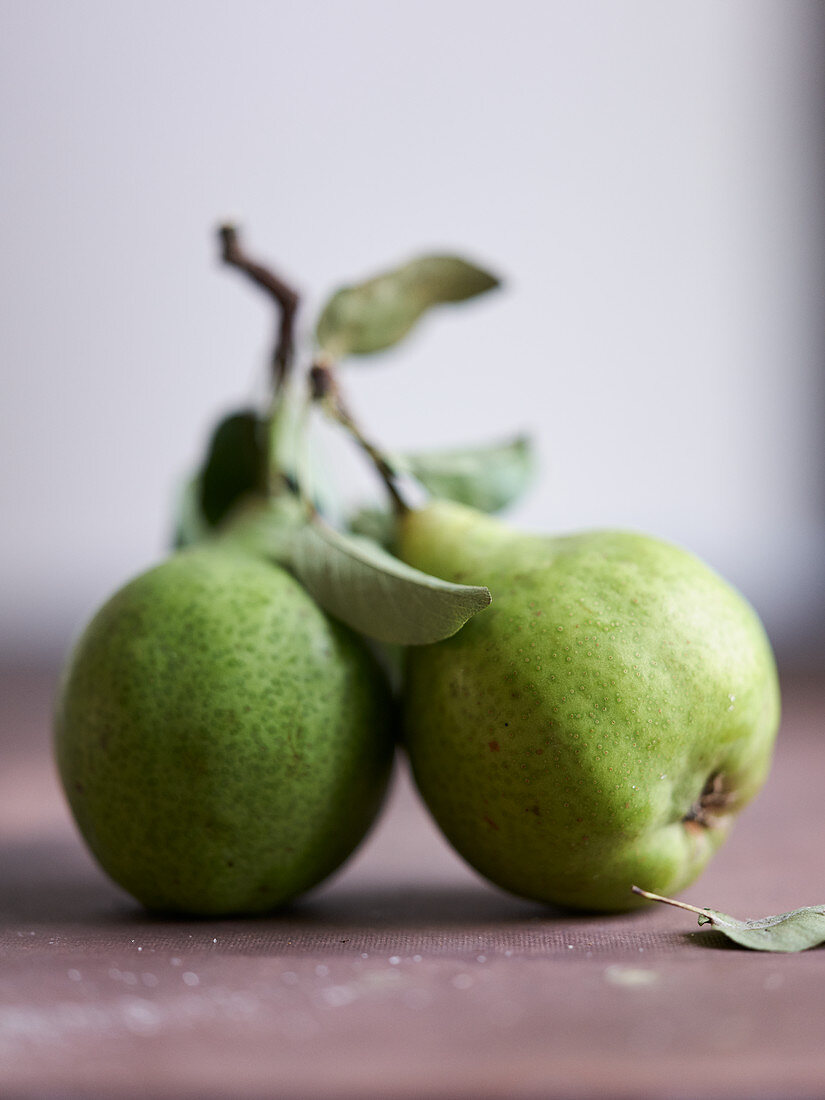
x,y
405,975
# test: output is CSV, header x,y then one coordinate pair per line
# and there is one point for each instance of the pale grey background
x,y
646,175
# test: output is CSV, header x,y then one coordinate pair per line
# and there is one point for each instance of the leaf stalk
x,y
325,389
668,901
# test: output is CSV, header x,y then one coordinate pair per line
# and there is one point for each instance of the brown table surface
x,y
405,975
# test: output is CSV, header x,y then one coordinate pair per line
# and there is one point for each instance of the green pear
x,y
600,724
223,744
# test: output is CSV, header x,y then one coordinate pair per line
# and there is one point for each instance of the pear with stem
x,y
606,718
223,743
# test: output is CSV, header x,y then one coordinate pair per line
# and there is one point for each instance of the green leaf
x,y
231,470
234,465
794,931
295,451
487,478
375,524
267,527
373,315
287,433
190,526
234,469
356,581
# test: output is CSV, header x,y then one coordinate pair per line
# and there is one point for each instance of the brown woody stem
x,y
325,390
286,298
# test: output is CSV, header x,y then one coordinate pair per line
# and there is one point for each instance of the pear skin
x,y
223,744
600,724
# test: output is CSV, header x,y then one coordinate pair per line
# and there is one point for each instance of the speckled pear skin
x,y
600,724
223,744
